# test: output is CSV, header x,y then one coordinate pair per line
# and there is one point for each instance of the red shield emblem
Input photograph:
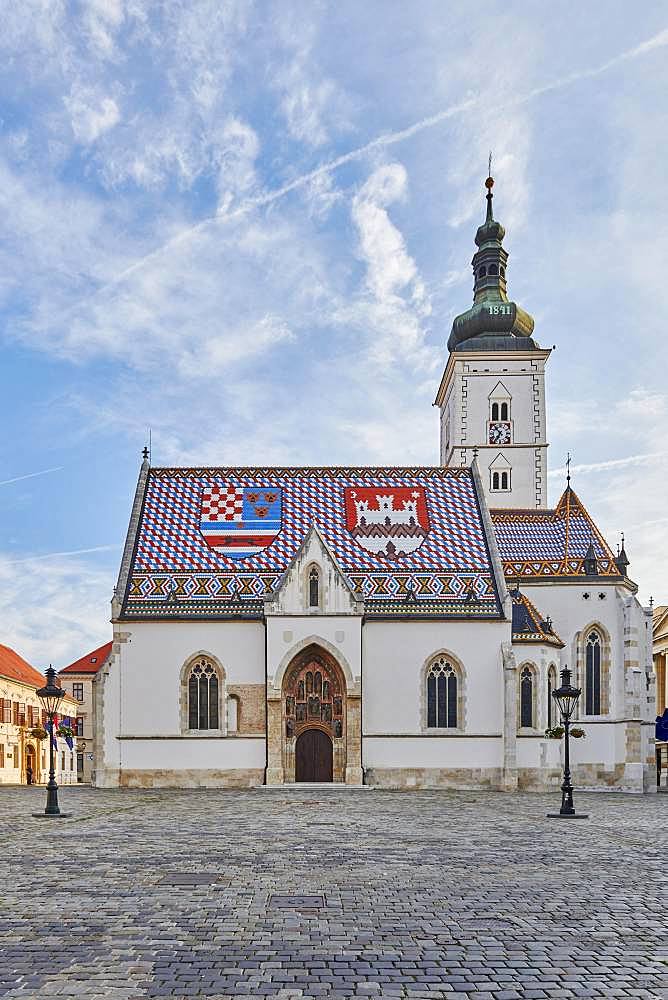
x,y
389,521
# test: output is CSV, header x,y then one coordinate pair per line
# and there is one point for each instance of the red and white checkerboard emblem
x,y
240,520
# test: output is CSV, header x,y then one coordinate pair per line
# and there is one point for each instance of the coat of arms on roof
x,y
239,521
389,521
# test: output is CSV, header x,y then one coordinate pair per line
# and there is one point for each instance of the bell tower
x,y
492,394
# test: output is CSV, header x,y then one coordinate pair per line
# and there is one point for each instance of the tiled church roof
x,y
528,623
550,543
189,561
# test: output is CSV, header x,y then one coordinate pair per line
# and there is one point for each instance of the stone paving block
x,y
426,895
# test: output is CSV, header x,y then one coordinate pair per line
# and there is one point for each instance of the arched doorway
x,y
314,718
31,770
314,756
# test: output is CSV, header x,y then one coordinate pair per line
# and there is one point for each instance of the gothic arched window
x,y
442,691
314,588
593,674
551,685
203,696
526,698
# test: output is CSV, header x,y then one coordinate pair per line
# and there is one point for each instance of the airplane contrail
x,y
612,463
384,139
53,555
31,475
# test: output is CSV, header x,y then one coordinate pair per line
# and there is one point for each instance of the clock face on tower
x,y
499,432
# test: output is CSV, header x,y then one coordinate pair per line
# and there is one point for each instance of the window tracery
x,y
442,695
203,696
526,698
593,674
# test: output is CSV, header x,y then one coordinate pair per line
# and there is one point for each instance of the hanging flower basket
x,y
578,734
555,733
64,731
39,733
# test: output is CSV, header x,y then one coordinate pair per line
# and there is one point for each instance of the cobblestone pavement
x,y
414,895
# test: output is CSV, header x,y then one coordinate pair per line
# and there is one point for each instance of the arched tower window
x,y
526,698
203,696
314,588
495,411
551,686
593,674
504,411
495,481
504,480
442,695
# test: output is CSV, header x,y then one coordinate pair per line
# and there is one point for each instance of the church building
x,y
398,627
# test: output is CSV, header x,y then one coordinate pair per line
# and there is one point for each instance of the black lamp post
x,y
50,696
566,698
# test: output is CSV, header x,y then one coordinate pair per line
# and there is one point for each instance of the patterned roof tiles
x,y
550,543
394,532
529,625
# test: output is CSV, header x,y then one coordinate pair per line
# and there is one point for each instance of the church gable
x,y
216,543
314,583
551,543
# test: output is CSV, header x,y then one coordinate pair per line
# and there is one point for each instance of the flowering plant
x,y
64,731
578,734
555,732
39,733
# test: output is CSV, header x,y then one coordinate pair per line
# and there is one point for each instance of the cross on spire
x,y
568,469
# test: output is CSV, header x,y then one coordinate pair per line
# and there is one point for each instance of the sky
x,y
248,226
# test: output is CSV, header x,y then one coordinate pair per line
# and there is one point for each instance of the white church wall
x,y
287,635
396,655
143,699
222,753
154,656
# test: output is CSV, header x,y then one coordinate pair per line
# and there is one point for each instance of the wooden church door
x,y
313,756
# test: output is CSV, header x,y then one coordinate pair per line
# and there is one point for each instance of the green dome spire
x,y
493,322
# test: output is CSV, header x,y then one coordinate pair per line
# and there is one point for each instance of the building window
x,y
593,674
6,705
526,698
17,759
442,684
77,692
504,411
62,760
500,481
78,726
495,411
314,588
551,686
80,763
203,696
2,754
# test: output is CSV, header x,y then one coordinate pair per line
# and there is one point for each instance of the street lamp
x,y
566,698
50,696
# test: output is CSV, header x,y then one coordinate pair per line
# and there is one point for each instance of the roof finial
x,y
144,453
568,471
489,184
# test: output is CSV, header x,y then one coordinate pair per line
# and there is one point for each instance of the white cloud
x,y
55,613
397,302
91,116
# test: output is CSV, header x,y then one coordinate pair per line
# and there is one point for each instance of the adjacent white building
x,y
402,627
